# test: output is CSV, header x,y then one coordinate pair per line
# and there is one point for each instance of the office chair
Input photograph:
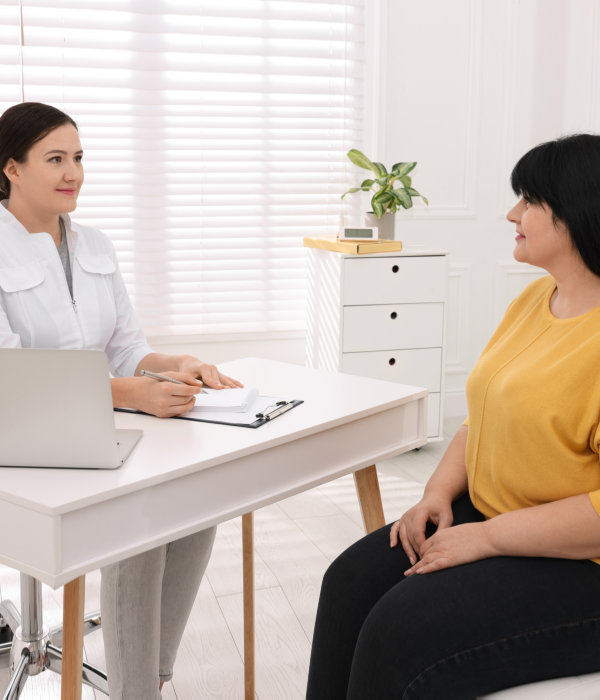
x,y
34,648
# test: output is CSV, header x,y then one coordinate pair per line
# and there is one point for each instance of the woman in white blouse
x,y
60,287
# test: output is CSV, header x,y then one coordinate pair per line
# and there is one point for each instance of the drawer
x,y
394,280
433,415
417,367
388,327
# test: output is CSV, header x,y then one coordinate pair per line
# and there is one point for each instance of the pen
x,y
165,378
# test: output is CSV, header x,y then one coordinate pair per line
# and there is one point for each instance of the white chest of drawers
x,y
381,316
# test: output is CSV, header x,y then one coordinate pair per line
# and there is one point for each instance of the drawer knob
x,y
395,268
393,315
392,361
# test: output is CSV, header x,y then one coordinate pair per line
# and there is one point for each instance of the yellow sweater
x,y
534,408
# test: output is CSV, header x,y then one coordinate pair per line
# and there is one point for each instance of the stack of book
x,y
354,247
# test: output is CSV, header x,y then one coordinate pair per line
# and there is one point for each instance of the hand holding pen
x,y
156,398
164,396
165,378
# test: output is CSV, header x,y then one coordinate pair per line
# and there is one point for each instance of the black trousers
x,y
453,634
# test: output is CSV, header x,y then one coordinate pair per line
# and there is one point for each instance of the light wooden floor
x,y
295,541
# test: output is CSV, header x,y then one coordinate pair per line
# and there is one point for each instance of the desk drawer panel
x,y
417,367
393,326
394,279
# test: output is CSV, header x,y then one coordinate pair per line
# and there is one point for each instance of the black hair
x,y
565,175
21,126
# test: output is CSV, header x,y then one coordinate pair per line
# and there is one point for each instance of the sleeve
x,y
8,338
127,345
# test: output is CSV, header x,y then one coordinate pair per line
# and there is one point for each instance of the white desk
x,y
184,476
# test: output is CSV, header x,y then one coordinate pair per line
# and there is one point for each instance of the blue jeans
x,y
453,634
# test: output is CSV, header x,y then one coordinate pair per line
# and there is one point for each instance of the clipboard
x,y
263,411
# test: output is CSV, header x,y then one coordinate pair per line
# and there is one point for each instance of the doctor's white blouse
x,y
36,307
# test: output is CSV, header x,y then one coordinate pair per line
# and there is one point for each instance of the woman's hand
x,y
452,546
208,374
164,399
410,529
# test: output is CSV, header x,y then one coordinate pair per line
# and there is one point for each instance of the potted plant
x,y
393,189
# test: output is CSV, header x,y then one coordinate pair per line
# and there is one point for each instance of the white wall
x,y
286,348
467,86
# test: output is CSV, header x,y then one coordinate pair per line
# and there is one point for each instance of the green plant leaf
x,y
413,193
401,169
350,191
379,169
381,202
384,197
378,209
403,198
361,160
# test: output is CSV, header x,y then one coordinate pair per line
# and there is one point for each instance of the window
x,y
215,135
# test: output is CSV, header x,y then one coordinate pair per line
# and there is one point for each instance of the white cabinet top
x,y
406,252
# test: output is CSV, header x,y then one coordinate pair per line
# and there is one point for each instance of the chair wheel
x,y
6,634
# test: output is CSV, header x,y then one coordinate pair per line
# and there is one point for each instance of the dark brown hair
x,y
565,175
21,126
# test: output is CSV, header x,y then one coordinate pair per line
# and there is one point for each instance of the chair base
x,y
28,648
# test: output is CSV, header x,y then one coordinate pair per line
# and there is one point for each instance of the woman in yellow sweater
x,y
493,579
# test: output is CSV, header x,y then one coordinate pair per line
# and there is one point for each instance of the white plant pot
x,y
385,224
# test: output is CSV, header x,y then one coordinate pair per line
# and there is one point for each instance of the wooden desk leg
x,y
369,497
72,656
248,567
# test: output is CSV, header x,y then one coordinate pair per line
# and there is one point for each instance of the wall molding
x,y
455,404
467,208
458,318
510,279
509,106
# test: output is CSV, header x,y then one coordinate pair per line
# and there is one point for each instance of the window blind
x,y
215,135
10,55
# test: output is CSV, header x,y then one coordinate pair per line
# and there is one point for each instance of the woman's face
x,y
539,240
50,178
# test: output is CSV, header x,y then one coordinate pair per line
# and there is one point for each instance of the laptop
x,y
56,411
